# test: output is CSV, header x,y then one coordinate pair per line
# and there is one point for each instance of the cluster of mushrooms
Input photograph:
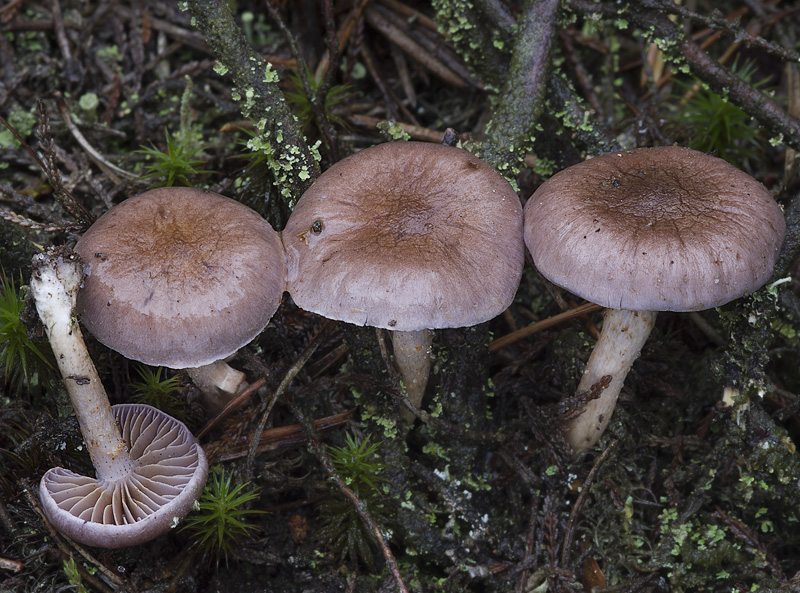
x,y
409,237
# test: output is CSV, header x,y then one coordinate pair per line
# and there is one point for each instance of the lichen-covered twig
x,y
293,162
485,49
511,131
672,41
498,14
315,99
718,21
576,115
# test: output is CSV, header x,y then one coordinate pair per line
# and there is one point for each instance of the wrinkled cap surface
x,y
169,472
664,229
180,277
406,236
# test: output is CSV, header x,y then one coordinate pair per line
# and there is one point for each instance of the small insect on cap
x,y
406,236
180,277
657,229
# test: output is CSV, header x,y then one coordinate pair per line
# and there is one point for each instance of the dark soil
x,y
685,492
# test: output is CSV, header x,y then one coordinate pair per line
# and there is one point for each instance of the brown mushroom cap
x,y
180,277
406,236
662,229
168,473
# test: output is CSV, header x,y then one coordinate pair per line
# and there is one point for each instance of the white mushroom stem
x,y
219,382
621,339
412,355
54,285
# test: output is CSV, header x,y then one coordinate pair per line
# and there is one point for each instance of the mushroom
x,y
149,468
182,278
408,237
647,230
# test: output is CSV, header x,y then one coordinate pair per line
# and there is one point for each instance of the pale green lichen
x,y
544,167
270,75
435,450
484,48
389,426
392,130
22,121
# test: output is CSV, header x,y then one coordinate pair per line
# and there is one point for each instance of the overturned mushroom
x,y
149,468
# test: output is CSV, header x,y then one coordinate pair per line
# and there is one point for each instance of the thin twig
x,y
702,66
67,201
239,399
65,553
342,37
332,41
719,22
27,223
70,67
544,324
351,496
522,578
5,519
116,174
378,21
12,565
287,379
272,438
578,507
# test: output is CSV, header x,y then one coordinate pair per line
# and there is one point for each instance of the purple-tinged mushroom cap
x,y
406,236
648,230
654,229
166,475
182,278
409,237
179,277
